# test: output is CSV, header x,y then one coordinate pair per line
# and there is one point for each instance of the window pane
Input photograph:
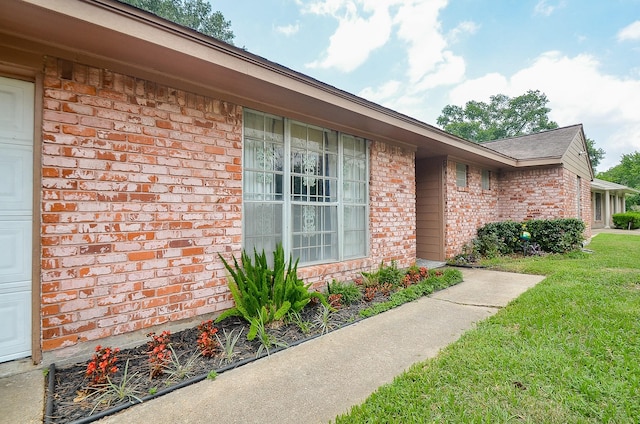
x,y
315,233
262,226
311,198
486,179
355,226
461,175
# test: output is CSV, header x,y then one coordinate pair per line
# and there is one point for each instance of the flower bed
x,y
115,379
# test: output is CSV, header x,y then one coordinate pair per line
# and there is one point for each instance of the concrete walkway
x,y
317,380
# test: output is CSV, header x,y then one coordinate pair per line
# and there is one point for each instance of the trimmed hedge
x,y
623,220
556,235
552,235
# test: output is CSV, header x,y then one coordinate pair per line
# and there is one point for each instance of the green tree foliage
x,y
502,117
505,117
194,14
595,154
627,172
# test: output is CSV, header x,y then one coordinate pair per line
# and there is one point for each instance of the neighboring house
x,y
134,151
607,198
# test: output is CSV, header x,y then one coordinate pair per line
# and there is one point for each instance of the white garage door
x,y
16,182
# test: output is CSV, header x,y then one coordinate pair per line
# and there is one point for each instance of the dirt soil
x,y
70,396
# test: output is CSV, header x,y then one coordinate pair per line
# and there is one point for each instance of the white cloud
x,y
360,31
288,30
419,28
630,33
466,27
578,92
449,71
544,8
382,93
366,25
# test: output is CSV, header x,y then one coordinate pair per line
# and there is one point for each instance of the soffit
x,y
110,34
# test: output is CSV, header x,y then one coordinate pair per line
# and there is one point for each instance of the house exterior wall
x,y
467,208
142,189
521,195
544,193
532,194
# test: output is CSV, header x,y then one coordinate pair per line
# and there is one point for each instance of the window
x,y
305,187
461,175
486,179
579,197
598,207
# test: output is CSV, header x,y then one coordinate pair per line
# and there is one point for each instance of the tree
x,y
626,173
595,154
505,117
502,117
195,14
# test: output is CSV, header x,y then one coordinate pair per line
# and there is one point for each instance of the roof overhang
x,y
115,36
602,185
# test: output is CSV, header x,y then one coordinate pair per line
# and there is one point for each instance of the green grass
x,y
566,351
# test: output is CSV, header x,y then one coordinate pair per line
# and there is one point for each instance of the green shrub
x,y
626,220
502,237
390,274
262,294
384,274
349,291
552,235
556,235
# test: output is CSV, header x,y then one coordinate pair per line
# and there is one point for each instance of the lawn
x,y
566,351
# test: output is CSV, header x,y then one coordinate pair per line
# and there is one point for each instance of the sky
x,y
417,56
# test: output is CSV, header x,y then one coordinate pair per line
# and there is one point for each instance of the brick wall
x,y
547,193
534,194
467,208
141,189
392,214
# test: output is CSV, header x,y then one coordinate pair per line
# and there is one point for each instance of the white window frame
x,y
459,183
486,179
287,202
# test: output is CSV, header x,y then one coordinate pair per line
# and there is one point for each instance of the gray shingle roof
x,y
546,144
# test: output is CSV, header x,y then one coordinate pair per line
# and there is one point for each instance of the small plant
x,y
267,341
303,325
414,275
158,352
102,365
177,370
350,292
212,375
369,279
370,293
229,345
111,392
335,300
270,293
386,289
322,320
153,391
390,274
207,340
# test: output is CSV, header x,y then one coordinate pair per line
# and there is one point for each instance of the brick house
x,y
136,151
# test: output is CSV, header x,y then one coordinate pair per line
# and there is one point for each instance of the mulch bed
x,y
69,400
